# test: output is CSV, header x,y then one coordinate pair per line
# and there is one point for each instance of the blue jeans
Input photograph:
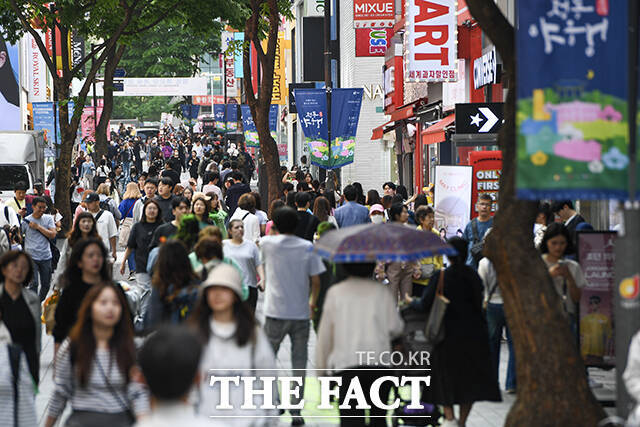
x,y
496,321
132,261
41,270
126,170
298,331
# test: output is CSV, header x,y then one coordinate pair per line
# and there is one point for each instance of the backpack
x,y
180,304
478,244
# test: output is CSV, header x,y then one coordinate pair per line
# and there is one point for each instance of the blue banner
x,y
572,118
237,59
273,121
345,113
249,127
312,113
43,120
218,115
190,111
231,118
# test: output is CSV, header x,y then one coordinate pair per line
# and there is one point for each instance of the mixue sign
x,y
373,13
430,41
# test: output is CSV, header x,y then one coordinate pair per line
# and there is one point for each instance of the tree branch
x,y
43,50
496,27
87,58
162,16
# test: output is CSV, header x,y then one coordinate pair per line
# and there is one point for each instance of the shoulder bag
x,y
434,329
478,244
125,228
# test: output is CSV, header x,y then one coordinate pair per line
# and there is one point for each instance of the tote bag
x,y
434,329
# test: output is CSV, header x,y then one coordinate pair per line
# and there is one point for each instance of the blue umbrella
x,y
380,242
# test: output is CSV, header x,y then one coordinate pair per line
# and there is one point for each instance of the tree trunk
x,y
63,170
111,64
552,387
261,105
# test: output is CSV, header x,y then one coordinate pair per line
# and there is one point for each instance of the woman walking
x,y
126,208
140,243
87,267
463,373
94,365
400,274
84,227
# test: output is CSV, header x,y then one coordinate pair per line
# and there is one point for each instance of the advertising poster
x,y
249,127
219,114
9,87
37,71
43,120
452,194
312,113
430,41
572,101
87,124
487,168
596,255
231,118
372,41
345,113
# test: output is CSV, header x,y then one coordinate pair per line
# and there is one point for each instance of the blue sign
x,y
119,73
312,113
43,120
190,111
249,127
231,117
218,115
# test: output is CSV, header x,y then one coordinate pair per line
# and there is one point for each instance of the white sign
x,y
430,41
453,197
455,92
153,86
485,69
230,79
37,71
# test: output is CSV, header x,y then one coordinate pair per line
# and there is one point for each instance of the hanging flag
x,y
218,115
273,121
345,113
231,118
572,121
312,113
249,127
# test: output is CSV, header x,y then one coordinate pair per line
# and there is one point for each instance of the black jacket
x,y
233,195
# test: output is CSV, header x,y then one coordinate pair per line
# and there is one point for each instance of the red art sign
x,y
487,168
372,41
373,13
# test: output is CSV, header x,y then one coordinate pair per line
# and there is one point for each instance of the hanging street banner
x,y
572,121
218,114
190,111
87,124
249,127
43,120
273,121
430,41
345,113
231,118
312,113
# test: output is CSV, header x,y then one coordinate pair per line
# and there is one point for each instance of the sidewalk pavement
x,y
483,414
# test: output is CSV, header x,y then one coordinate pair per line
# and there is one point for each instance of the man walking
x,y
307,223
164,198
38,229
351,213
571,218
105,223
476,228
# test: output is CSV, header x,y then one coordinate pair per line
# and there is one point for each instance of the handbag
x,y
125,229
49,310
126,417
434,329
98,419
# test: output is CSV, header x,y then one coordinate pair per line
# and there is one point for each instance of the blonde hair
x,y
132,191
103,189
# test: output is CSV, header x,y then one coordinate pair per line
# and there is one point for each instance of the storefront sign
x,y
373,13
596,255
572,127
372,41
230,76
208,99
37,71
452,198
487,168
479,117
485,69
313,7
430,41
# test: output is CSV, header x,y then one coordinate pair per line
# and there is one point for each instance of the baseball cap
x,y
224,275
93,197
376,208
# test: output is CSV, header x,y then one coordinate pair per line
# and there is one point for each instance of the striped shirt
x,y
96,396
26,398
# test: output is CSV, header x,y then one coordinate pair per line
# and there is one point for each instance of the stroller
x,y
414,340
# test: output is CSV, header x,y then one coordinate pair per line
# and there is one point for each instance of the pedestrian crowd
x,y
201,252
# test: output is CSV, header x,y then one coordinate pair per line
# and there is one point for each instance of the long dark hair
x,y
172,268
73,273
553,230
8,83
207,208
75,234
373,198
321,208
83,341
245,321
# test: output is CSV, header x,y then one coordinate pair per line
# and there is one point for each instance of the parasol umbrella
x,y
380,242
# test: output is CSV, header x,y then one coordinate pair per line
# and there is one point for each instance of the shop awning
x,y
435,133
381,130
402,113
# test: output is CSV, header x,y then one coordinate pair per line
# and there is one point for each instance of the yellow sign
x,y
280,92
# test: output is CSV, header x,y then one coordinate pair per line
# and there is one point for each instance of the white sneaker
x,y
449,423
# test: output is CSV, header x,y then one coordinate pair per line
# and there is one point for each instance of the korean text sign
x,y
572,121
430,40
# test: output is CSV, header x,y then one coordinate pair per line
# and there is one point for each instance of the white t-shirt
x,y
247,256
559,282
251,224
288,262
106,226
262,217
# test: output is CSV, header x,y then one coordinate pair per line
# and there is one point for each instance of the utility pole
x,y
327,84
627,303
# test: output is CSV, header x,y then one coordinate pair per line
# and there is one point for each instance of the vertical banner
x,y
87,124
43,120
249,127
430,40
231,118
572,101
237,58
279,95
487,168
312,113
596,256
37,71
218,114
10,118
345,113
273,121
452,198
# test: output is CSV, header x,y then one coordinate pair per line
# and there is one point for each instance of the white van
x,y
21,159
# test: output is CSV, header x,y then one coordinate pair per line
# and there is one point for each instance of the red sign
x,y
208,99
372,41
373,13
487,168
